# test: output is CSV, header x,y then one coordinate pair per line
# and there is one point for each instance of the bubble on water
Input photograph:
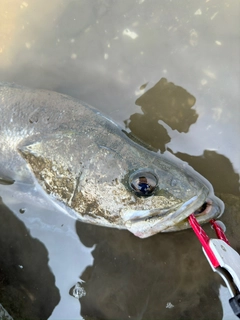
x,y
130,33
78,291
169,305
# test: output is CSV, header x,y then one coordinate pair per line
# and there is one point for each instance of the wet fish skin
x,y
83,161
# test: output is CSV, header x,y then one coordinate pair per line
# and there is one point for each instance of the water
x,y
169,73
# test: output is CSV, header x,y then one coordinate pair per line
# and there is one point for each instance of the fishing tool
x,y
222,258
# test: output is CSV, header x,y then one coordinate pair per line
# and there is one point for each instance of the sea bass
x,y
92,169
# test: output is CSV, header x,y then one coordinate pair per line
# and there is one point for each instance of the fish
x,y
86,165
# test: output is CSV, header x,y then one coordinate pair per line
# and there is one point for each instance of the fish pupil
x,y
143,182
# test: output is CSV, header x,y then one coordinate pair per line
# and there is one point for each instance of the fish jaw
x,y
145,223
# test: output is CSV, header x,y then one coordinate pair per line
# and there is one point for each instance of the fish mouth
x,y
145,223
212,208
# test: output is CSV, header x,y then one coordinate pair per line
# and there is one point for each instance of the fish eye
x,y
143,182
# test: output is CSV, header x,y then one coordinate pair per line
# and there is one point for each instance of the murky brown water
x,y
169,73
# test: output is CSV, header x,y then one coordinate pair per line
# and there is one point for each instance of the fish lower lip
x,y
146,223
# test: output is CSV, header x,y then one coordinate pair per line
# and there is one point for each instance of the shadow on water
x,y
165,102
27,286
142,279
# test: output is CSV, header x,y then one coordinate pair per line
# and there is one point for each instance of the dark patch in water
x,y
133,278
27,286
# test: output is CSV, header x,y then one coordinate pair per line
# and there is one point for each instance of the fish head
x,y
119,185
165,197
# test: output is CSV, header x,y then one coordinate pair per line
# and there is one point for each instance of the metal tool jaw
x,y
222,258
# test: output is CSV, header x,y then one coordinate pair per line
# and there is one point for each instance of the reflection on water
x,y
166,102
27,285
132,279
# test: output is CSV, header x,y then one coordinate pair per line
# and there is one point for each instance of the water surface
x,y
169,73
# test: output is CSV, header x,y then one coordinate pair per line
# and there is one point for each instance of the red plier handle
x,y
204,239
222,258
